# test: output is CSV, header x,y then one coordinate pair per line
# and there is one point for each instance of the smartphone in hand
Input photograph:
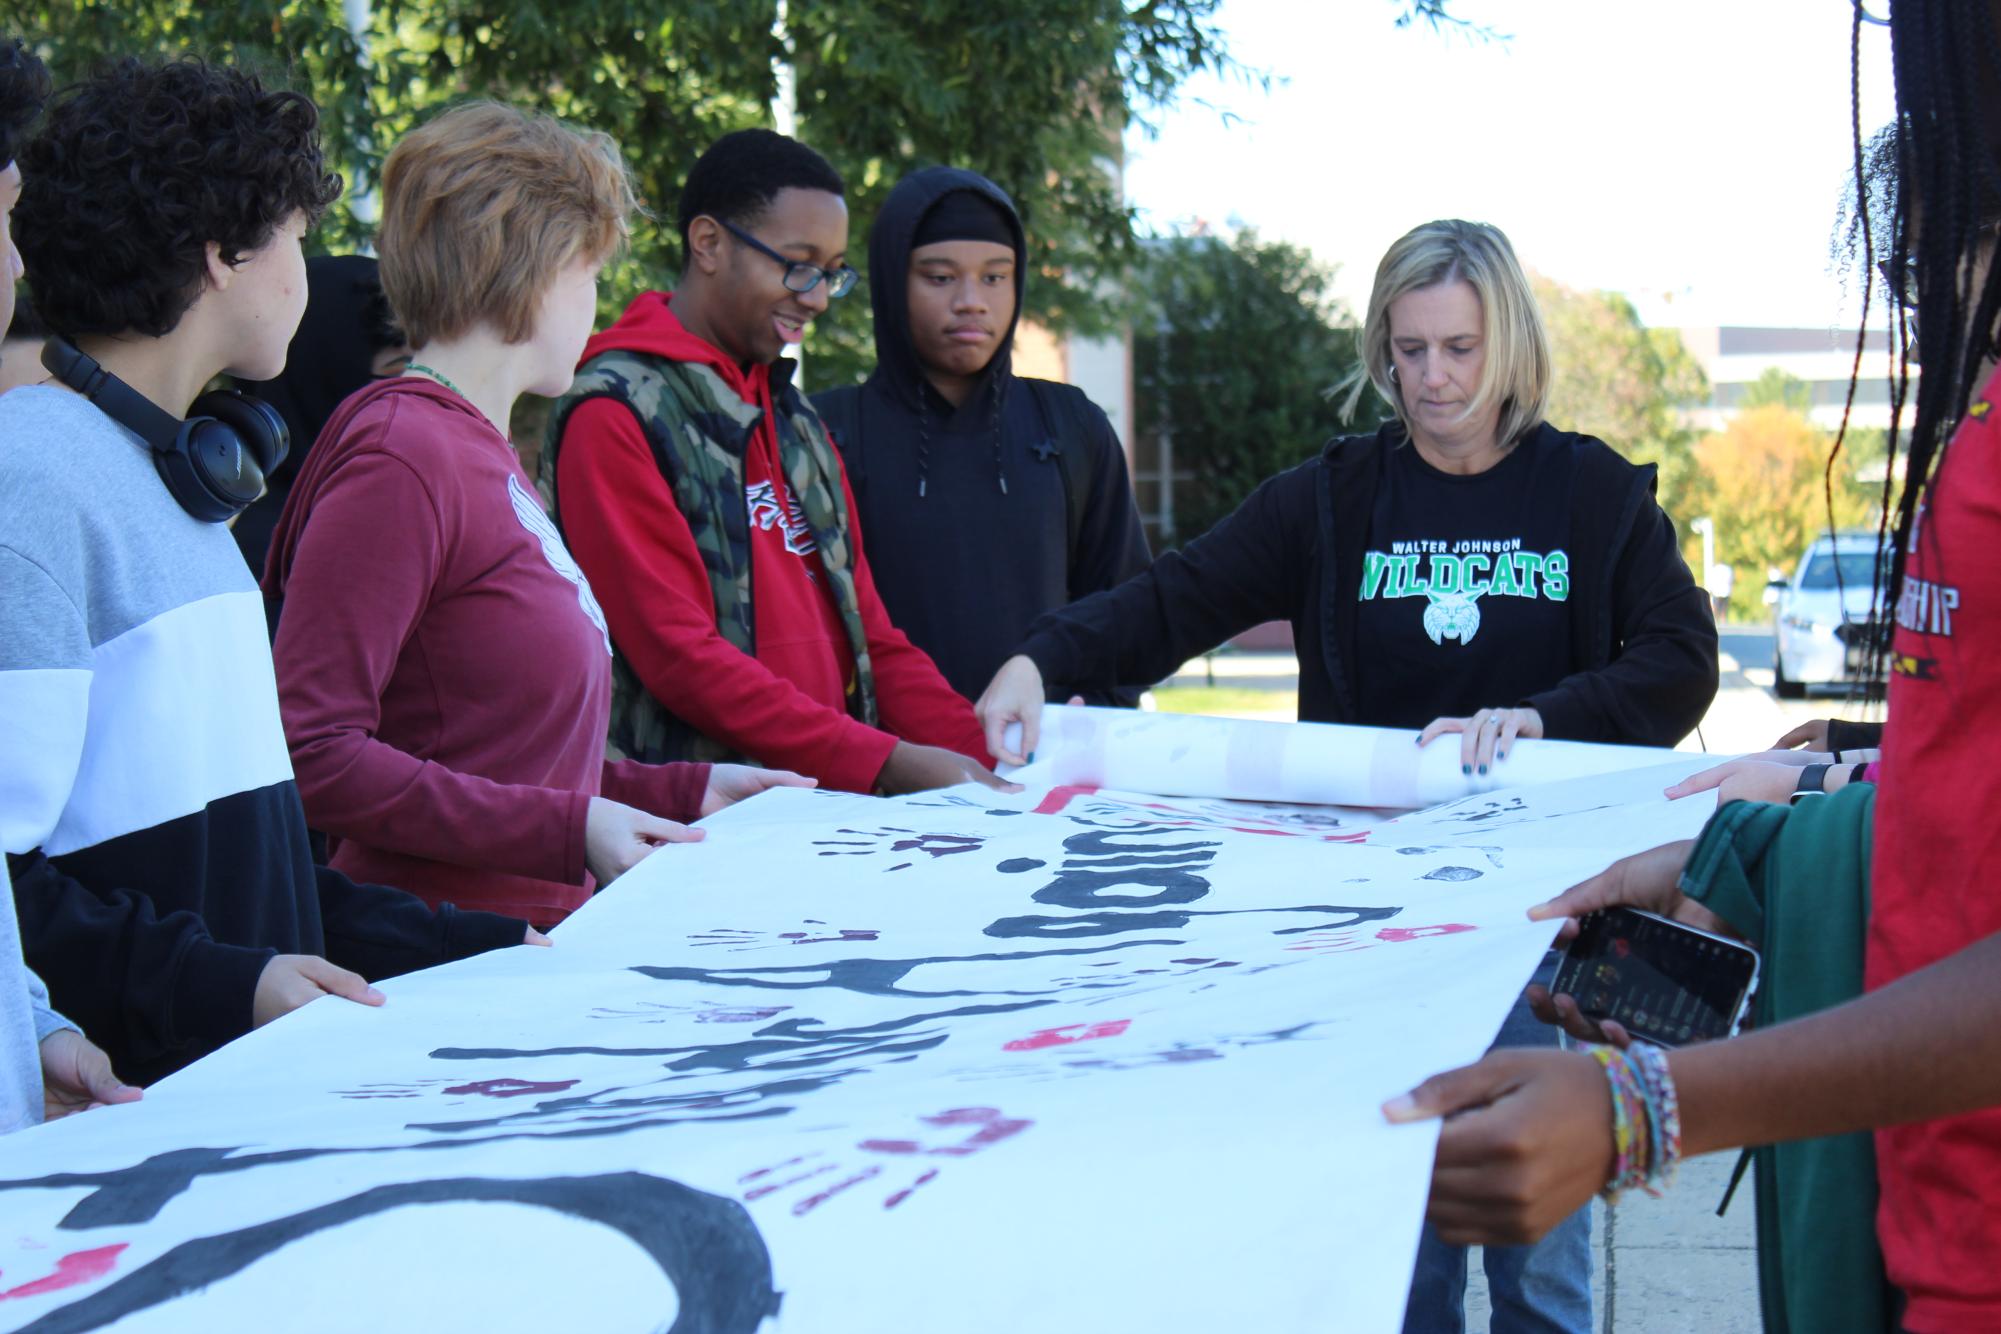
x,y
1667,983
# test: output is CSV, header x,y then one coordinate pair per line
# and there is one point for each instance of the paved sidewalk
x,y
1668,1266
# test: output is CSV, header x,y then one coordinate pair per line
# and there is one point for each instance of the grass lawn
x,y
1227,701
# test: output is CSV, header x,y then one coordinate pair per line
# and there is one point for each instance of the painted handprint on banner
x,y
819,1176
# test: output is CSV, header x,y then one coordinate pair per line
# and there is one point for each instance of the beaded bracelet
x,y
1663,1107
1646,1117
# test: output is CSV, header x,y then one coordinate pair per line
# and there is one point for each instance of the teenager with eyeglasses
x,y
701,495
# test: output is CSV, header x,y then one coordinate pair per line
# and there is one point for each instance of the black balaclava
x,y
940,204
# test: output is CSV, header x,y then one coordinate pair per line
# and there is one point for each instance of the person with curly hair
x,y
47,1066
162,874
413,556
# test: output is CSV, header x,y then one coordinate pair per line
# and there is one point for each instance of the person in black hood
x,y
986,498
347,339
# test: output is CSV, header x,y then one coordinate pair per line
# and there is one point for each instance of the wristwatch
x,y
1813,782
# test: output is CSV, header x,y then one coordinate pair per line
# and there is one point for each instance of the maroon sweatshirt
x,y
443,667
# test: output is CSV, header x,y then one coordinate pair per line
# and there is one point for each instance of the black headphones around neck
x,y
214,463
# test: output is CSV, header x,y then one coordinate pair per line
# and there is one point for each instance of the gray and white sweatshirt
x,y
160,853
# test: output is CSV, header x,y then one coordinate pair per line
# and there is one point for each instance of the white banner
x,y
1066,1060
1319,763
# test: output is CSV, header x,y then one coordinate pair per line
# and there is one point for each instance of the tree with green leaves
x,y
1035,97
1238,357
1624,383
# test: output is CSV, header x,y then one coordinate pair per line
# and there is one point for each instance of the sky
x,y
1692,156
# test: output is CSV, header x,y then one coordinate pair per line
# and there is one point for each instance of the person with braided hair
x,y
1916,1057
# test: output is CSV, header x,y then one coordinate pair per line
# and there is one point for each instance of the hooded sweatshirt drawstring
x,y
999,393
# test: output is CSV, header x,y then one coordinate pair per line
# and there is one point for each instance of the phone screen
x,y
1666,983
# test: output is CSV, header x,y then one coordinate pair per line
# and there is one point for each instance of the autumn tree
x,y
1036,96
1624,383
1762,480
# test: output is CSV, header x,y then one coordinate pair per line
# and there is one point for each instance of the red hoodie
x,y
443,668
786,707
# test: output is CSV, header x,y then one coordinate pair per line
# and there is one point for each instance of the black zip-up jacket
x,y
1643,640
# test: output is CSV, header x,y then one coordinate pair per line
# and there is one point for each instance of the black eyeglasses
x,y
800,276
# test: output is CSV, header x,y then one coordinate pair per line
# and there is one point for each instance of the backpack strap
x,y
841,412
1062,408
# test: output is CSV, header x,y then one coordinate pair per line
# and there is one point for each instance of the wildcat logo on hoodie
x,y
1452,577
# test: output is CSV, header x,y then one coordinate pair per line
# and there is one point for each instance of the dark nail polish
x,y
1466,769
1483,770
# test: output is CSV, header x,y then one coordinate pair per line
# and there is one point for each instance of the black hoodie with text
x,y
966,513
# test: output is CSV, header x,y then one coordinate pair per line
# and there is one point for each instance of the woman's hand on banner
x,y
1486,737
1014,696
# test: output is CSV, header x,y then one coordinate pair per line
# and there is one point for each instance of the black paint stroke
x,y
706,1245
126,1196
1114,923
869,977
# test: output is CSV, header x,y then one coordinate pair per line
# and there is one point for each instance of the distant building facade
x,y
1735,356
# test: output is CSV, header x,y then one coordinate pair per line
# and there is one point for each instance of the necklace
x,y
418,368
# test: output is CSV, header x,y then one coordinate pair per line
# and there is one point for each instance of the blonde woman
x,y
1468,568
443,666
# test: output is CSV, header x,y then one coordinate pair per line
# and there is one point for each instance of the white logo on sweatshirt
x,y
529,511
789,518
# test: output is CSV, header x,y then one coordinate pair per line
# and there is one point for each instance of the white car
x,y
1825,620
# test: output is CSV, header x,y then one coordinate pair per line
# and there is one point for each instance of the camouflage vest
x,y
699,429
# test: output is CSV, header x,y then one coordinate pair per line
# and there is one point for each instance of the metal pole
x,y
365,205
785,119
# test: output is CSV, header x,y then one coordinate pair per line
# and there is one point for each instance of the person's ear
x,y
220,272
706,238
